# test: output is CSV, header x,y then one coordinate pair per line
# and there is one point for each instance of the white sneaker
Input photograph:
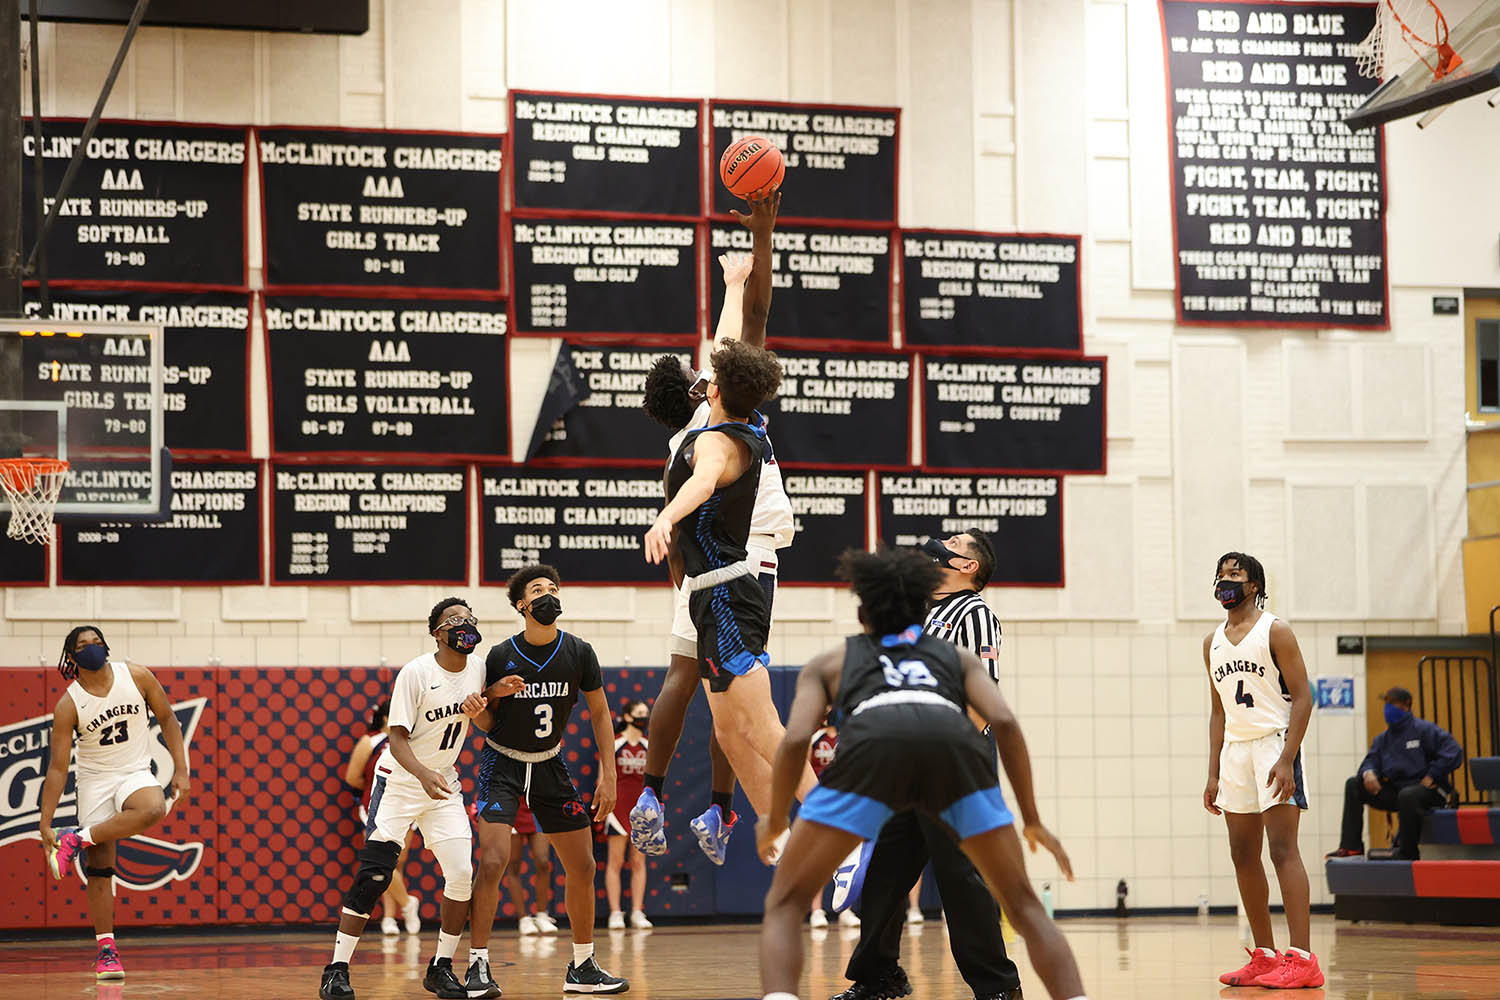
x,y
848,919
410,915
914,915
544,923
617,921
389,926
527,926
639,922
818,920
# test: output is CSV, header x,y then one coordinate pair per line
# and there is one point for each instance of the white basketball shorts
x,y
101,796
1245,767
398,803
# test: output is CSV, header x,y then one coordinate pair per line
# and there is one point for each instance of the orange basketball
x,y
752,167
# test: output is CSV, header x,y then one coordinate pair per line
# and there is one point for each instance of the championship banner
x,y
590,153
370,524
586,522
1278,208
1021,515
609,425
994,291
212,537
599,275
413,377
832,514
151,205
830,286
1013,414
21,563
349,210
206,367
848,411
840,159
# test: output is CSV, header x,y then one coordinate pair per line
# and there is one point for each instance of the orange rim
x,y
20,474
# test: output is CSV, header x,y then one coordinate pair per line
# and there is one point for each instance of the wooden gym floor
x,y
1161,958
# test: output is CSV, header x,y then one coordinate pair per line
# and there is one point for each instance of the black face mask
x,y
545,609
463,638
92,657
640,723
940,552
1230,593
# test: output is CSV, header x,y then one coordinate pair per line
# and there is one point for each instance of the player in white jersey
x,y
416,785
106,707
1261,708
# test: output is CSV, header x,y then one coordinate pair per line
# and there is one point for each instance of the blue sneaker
x,y
648,825
714,833
849,878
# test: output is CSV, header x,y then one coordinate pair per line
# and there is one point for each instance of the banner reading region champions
x,y
832,514
605,276
346,209
1013,414
1279,209
830,285
606,154
609,425
840,159
390,377
1021,515
842,410
212,535
160,204
586,522
370,524
1003,291
205,375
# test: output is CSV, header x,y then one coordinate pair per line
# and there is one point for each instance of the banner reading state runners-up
x,y
369,524
840,160
1013,414
586,522
157,204
356,210
388,376
605,276
1279,209
832,514
842,410
609,424
830,285
990,290
606,154
1021,514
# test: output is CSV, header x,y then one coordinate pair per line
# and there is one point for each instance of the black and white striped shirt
x,y
966,621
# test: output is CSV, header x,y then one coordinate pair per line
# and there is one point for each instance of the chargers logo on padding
x,y
141,863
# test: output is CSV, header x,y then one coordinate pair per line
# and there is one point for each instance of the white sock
x,y
343,946
1304,955
86,837
781,996
107,936
1268,952
447,944
475,954
582,953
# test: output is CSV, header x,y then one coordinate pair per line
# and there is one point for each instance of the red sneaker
x,y
1294,973
1260,964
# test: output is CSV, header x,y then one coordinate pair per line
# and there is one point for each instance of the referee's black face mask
x,y
940,552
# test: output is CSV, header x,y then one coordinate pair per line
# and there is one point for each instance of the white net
x,y
32,486
1405,31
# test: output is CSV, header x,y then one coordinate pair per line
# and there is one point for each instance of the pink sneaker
x,y
1260,964
1294,973
108,965
69,846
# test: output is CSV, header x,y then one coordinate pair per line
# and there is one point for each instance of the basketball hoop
x,y
1415,21
32,486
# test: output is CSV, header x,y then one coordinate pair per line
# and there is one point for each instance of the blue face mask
x,y
1395,715
91,657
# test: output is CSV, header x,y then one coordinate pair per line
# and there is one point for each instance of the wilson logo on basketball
x,y
141,863
741,158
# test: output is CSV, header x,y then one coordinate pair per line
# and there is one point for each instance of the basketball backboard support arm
x,y
1414,90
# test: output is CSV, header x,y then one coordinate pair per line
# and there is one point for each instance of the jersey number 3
x,y
115,734
1243,697
543,721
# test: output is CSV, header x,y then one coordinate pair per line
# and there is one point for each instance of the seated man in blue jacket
x,y
1406,771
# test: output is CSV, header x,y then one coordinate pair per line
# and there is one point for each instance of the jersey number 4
x,y
115,734
1243,697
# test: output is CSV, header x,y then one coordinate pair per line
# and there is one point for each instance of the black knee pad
x,y
99,872
377,859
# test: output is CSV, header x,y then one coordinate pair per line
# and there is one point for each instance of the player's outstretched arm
x,y
604,742
711,456
984,696
1215,736
757,306
736,267
1288,656
809,706
64,721
171,729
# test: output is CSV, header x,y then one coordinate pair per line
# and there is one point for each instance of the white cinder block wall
x,y
1337,457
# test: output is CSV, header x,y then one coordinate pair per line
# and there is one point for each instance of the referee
x,y
908,840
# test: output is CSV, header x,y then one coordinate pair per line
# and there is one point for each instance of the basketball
x,y
752,167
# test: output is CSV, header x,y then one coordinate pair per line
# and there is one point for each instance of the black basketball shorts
x,y
733,621
545,786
